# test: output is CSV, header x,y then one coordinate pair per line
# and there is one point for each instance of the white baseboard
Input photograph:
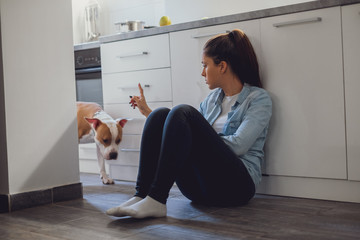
x,y
316,188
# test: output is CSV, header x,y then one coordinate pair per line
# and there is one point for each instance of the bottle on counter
x,y
92,21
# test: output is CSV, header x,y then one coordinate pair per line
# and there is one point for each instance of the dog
x,y
95,125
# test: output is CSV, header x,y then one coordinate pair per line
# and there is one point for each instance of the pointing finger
x,y
141,90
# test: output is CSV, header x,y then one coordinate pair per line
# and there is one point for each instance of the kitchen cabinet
x,y
124,65
186,55
88,159
351,40
302,70
309,65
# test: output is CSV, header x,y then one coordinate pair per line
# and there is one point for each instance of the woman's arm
x,y
256,119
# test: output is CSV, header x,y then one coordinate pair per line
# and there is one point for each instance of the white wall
x,y
112,11
191,10
4,183
39,85
151,11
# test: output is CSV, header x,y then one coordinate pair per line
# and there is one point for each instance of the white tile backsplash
x,y
150,11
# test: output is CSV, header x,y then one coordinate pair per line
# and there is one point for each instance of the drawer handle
x,y
134,87
130,150
208,34
301,21
133,54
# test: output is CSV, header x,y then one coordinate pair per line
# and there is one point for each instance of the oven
x,y
88,75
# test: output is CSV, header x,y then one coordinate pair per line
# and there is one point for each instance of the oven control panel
x,y
87,58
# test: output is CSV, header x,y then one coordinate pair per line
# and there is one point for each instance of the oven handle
x,y
88,70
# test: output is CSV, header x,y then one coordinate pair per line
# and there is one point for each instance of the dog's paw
x,y
107,180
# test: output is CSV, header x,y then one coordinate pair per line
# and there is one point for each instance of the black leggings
x,y
180,146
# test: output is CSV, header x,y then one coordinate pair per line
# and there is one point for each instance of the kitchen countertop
x,y
307,6
87,45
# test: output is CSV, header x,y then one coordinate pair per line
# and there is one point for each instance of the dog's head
x,y
108,136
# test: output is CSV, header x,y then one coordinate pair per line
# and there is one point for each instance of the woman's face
x,y
211,72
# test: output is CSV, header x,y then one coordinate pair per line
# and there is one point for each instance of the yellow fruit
x,y
164,21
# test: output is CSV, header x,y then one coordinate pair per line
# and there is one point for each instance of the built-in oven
x,y
88,75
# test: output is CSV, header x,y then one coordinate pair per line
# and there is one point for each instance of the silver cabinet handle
x,y
300,21
134,87
133,54
208,34
130,150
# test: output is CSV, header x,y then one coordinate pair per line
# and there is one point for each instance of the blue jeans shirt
x,y
246,127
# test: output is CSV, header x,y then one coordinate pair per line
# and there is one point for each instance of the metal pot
x,y
129,26
135,25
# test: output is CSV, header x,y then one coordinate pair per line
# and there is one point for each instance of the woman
x,y
214,155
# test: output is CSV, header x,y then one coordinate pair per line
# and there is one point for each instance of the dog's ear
x,y
121,121
93,122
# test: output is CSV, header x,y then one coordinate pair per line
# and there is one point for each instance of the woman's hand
x,y
140,102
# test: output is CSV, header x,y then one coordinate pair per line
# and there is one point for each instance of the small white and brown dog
x,y
95,125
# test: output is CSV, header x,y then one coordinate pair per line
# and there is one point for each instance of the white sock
x,y
148,207
118,211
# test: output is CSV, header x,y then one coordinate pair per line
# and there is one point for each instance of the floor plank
x,y
265,217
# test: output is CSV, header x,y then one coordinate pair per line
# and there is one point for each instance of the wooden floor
x,y
265,217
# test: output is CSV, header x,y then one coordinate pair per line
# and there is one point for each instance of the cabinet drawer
x,y
125,111
136,54
134,126
87,151
128,158
129,151
156,84
123,173
130,143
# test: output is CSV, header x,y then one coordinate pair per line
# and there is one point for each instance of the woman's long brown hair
x,y
235,48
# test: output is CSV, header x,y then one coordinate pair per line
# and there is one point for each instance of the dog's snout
x,y
113,155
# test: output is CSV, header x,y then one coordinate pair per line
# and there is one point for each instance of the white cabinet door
x,y
351,44
186,54
302,70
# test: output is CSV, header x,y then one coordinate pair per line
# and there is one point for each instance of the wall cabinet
x,y
351,41
302,70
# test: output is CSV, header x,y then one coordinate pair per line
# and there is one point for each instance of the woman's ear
x,y
223,66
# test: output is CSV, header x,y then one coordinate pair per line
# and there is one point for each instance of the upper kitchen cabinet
x,y
186,55
351,40
302,70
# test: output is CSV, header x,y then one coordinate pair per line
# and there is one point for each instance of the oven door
x,y
89,85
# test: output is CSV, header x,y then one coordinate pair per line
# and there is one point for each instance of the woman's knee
x,y
183,111
159,113
156,118
183,108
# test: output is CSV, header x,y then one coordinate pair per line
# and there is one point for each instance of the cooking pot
x,y
135,25
130,26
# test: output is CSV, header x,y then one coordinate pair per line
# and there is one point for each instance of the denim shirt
x,y
246,126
